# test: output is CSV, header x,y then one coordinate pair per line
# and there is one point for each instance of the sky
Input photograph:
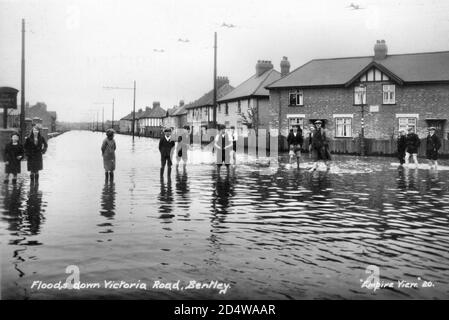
x,y
75,48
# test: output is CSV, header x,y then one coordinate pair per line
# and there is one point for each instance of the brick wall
x,y
426,100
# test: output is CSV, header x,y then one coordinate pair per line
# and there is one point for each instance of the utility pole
x,y
22,89
112,126
362,121
215,82
134,109
97,120
102,121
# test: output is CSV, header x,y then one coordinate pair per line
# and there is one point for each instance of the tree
x,y
250,120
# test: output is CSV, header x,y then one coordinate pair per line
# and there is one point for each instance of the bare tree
x,y
250,120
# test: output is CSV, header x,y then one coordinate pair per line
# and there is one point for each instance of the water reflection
x,y
166,199
108,195
182,188
223,191
34,213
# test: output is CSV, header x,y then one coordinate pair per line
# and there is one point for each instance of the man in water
x,y
320,146
433,144
412,143
295,141
166,146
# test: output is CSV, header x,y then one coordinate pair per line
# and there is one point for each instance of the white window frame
x,y
295,119
298,98
407,121
389,94
359,95
346,123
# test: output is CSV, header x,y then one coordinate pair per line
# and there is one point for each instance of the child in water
x,y
13,155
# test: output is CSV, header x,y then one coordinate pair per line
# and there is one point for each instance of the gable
x,y
374,75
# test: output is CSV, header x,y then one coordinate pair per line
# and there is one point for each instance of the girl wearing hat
x,y
35,147
108,151
433,144
13,154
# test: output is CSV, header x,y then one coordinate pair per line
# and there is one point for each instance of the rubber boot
x,y
32,177
162,171
36,178
106,176
111,176
14,180
168,171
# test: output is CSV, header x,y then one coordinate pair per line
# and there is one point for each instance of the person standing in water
x,y
320,146
433,144
223,145
295,141
311,132
183,145
166,146
108,151
13,156
35,147
234,138
413,143
402,145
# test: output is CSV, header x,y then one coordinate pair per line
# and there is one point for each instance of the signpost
x,y
8,100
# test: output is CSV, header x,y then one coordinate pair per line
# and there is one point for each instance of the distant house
x,y
247,105
393,92
176,117
39,113
200,112
125,123
150,121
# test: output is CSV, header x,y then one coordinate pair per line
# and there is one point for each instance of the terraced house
x,y
150,121
247,105
385,92
200,111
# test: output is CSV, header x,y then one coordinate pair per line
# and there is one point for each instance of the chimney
x,y
222,81
263,66
181,103
140,111
156,104
147,108
285,66
380,50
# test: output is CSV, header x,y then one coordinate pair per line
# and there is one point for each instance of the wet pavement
x,y
270,232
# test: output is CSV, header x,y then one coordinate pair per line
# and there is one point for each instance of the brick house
x,y
200,111
125,123
394,91
248,103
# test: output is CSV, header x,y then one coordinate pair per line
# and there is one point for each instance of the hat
x,y
318,121
167,130
15,133
431,128
110,132
409,128
402,130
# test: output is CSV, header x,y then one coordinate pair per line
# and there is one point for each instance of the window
x,y
226,109
239,107
219,108
360,95
405,123
296,98
205,112
294,122
389,96
343,127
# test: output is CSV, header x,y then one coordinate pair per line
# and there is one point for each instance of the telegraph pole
x,y
112,113
215,82
22,89
102,121
134,109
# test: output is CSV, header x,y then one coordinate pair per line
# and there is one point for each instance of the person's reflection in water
x,y
411,178
223,189
166,200
13,214
320,183
33,215
108,206
182,188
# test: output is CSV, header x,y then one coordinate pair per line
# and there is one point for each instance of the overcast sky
x,y
74,48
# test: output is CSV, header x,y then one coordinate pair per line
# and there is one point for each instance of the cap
x,y
167,130
318,121
431,128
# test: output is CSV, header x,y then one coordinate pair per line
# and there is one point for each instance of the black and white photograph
x,y
224,150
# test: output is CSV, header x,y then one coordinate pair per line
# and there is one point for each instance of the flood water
x,y
269,232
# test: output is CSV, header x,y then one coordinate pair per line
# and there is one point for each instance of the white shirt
x,y
167,138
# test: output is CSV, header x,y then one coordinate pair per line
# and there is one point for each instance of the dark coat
x,y
165,147
34,152
433,144
413,143
402,144
298,140
10,155
320,145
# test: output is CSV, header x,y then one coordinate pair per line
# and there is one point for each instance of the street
x,y
268,232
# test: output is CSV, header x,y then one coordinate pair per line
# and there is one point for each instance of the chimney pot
x,y
285,66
